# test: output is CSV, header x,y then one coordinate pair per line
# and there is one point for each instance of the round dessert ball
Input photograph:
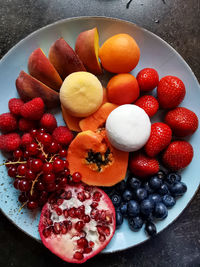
x,y
128,127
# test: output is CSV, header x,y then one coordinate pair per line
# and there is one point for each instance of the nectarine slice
x,y
28,88
87,48
64,58
41,68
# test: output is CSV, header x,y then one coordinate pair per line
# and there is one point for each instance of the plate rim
x,y
61,21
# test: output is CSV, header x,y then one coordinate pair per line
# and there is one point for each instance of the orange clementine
x,y
119,54
122,89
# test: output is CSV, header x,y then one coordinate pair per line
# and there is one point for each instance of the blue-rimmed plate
x,y
155,53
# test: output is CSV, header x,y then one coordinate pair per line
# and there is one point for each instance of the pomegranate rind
x,y
55,242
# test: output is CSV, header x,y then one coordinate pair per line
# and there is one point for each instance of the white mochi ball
x,y
128,127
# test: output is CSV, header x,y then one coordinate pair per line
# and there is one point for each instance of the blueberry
x,y
160,211
133,208
141,194
134,183
123,208
135,223
147,206
155,182
161,174
173,177
169,201
119,219
127,195
178,189
155,198
150,229
120,187
163,190
148,188
148,218
116,200
109,190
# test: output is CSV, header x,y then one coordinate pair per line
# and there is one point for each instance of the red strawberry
x,y
25,125
149,104
8,123
178,155
10,142
160,137
33,110
147,79
170,92
15,105
48,122
182,121
143,166
26,139
62,135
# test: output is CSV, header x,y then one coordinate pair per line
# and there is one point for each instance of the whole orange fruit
x,y
123,89
119,54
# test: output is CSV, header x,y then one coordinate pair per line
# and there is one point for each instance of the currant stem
x,y
13,162
33,183
42,149
24,204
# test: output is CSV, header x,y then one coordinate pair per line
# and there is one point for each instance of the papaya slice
x,y
99,163
71,121
97,119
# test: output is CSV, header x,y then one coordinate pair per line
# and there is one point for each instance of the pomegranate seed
x,y
103,215
63,229
86,219
102,238
79,225
94,205
31,205
79,214
57,227
21,169
17,154
94,213
78,255
47,168
67,195
82,242
12,171
24,185
63,153
91,244
108,218
96,196
47,214
100,229
22,198
87,195
87,250
76,177
53,147
36,165
16,184
48,222
29,175
47,232
65,213
49,178
32,149
71,212
106,230
81,196
68,224
40,186
59,211
60,201
58,165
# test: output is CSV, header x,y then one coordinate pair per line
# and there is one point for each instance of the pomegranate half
x,y
78,223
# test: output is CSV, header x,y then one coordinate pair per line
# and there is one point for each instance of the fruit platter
x,y
99,136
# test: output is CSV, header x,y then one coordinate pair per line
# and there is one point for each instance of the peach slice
x,y
41,68
64,58
87,48
71,121
28,88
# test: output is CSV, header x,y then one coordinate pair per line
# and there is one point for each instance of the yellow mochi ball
x,y
81,94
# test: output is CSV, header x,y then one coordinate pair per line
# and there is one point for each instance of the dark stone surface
x,y
178,23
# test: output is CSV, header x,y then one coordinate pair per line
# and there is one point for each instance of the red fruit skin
x,y
142,165
25,125
10,142
170,92
182,121
48,122
149,104
26,139
65,257
33,110
178,155
147,79
15,105
8,122
62,135
160,138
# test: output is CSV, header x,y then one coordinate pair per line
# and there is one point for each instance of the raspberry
x,y
15,105
48,121
26,139
10,142
33,110
26,125
62,135
8,123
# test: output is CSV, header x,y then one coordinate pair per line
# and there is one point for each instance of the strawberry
x,y
178,155
33,110
10,142
170,92
48,122
8,123
160,138
147,79
15,105
142,165
62,135
149,104
182,121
